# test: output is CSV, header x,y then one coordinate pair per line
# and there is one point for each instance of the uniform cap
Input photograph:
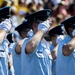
x,y
23,26
56,30
10,37
4,12
70,22
40,15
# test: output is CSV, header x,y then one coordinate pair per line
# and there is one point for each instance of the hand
x,y
59,39
30,33
44,26
6,25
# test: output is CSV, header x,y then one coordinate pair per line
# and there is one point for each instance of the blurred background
x,y
62,9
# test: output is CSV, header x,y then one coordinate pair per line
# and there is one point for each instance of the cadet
x,y
53,36
36,56
16,49
5,27
10,38
23,29
65,63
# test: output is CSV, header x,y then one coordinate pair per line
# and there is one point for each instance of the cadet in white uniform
x,y
5,27
10,38
16,50
36,56
65,64
53,36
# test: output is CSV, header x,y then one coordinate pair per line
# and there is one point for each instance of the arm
x,y
2,35
19,46
10,61
34,41
54,52
68,48
5,27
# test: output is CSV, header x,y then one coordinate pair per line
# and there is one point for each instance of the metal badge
x,y
48,13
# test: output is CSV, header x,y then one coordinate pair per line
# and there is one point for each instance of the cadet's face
x,y
53,39
35,26
24,34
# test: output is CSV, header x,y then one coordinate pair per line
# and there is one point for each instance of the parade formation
x,y
34,43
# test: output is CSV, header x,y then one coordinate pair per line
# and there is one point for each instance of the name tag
x,y
40,54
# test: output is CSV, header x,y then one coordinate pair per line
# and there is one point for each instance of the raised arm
x,y
19,46
34,41
69,47
5,27
2,35
54,52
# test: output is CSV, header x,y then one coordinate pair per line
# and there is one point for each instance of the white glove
x,y
44,26
59,39
73,33
30,33
6,25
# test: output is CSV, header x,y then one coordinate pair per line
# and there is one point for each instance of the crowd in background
x,y
62,9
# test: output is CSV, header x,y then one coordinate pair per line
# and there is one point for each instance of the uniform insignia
x,y
48,13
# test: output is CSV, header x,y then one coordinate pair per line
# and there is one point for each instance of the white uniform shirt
x,y
37,63
65,65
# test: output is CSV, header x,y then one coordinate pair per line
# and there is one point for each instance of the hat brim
x,y
56,30
24,26
40,15
69,22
